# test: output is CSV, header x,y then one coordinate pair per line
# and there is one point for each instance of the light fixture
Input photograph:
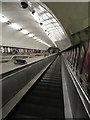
x,y
36,17
41,8
34,37
30,35
54,44
54,20
3,18
50,26
48,14
15,26
24,31
39,40
61,31
44,16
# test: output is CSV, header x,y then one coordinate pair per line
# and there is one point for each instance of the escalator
x,y
45,99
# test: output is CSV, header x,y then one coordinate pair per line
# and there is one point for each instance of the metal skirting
x,y
79,102
67,107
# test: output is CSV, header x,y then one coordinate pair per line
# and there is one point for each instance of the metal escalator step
x,y
38,111
47,88
45,94
54,77
42,101
48,84
51,79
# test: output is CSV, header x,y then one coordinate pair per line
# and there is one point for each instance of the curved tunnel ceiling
x,y
73,16
15,14
15,38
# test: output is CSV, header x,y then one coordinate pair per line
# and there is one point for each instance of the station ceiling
x,y
74,16
22,17
71,16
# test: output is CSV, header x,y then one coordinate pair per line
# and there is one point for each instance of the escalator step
x,y
42,101
38,111
47,88
51,79
50,82
50,85
44,94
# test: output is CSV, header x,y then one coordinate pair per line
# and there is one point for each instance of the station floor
x,y
7,66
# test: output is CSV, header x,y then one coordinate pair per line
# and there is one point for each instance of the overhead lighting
x,y
39,40
54,20
48,14
50,26
24,31
34,37
60,29
31,35
44,16
55,44
15,26
36,17
3,18
43,42
41,8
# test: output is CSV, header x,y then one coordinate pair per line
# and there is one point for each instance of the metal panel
x,y
75,96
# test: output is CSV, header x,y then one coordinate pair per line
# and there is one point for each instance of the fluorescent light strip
x,y
24,31
15,26
41,8
44,16
31,35
43,42
52,40
3,18
54,44
36,17
54,20
48,14
34,37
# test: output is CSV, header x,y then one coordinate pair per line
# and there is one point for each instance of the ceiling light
x,y
48,14
36,17
15,26
50,26
3,19
55,44
34,37
54,20
44,16
24,31
41,8
31,35
62,32
43,42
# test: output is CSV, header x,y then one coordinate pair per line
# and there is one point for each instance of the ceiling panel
x,y
23,17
